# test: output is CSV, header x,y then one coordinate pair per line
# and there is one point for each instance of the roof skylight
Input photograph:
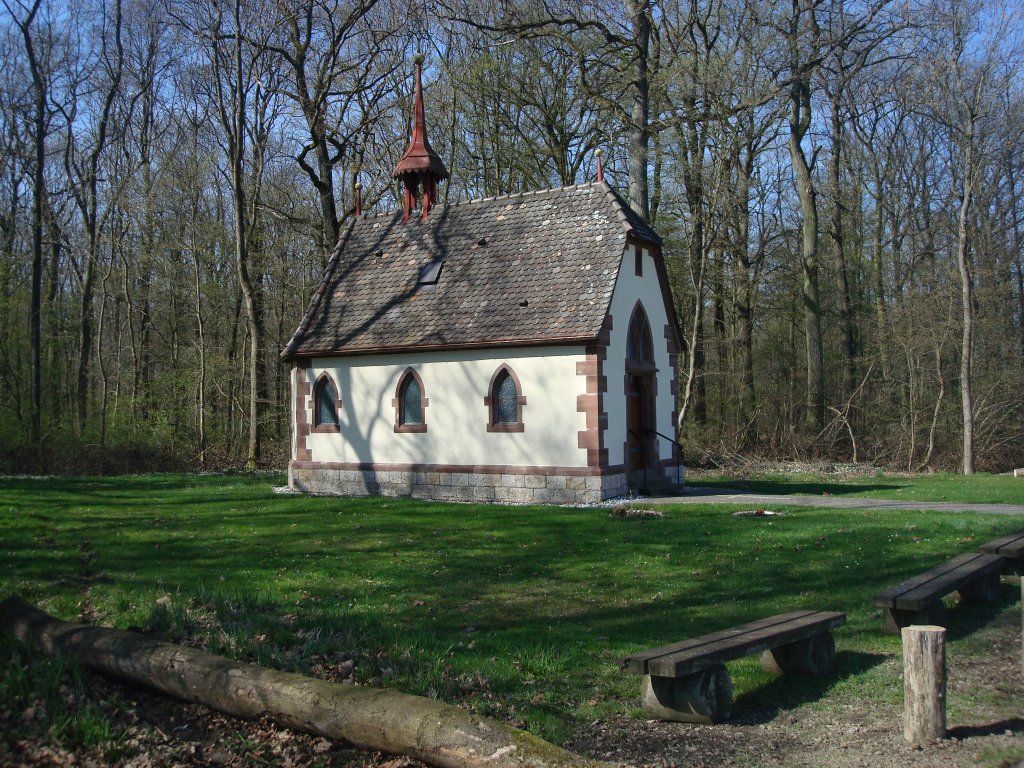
x,y
430,273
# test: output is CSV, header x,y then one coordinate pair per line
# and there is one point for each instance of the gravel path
x,y
705,495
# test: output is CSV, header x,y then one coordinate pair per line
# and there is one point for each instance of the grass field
x,y
979,489
516,612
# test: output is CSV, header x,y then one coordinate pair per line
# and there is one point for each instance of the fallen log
x,y
370,718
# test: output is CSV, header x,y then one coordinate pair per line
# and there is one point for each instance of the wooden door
x,y
640,422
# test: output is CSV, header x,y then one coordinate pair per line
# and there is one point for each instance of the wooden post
x,y
924,684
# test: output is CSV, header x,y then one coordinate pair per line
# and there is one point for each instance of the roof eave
x,y
441,347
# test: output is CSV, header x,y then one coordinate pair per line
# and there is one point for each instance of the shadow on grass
x,y
787,692
1013,725
965,619
787,487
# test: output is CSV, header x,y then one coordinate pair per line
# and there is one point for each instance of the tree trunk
x,y
1018,255
838,253
967,297
744,291
369,718
639,128
201,340
39,87
814,344
799,125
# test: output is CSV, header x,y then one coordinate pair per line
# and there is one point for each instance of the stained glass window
x,y
326,404
412,401
506,400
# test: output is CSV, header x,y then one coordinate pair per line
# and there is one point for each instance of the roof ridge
x,y
490,199
617,204
624,210
524,193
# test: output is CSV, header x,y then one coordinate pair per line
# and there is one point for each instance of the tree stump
x,y
924,684
703,697
814,656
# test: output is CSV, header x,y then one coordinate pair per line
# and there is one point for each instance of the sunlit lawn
x,y
518,612
980,489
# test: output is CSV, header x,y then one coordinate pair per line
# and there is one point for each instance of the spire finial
x,y
420,167
600,167
359,199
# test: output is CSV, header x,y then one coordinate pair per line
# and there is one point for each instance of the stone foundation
x,y
460,486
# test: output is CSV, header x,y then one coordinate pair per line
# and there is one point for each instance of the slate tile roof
x,y
538,267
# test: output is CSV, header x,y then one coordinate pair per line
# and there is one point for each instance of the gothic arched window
x,y
326,405
639,347
505,402
410,403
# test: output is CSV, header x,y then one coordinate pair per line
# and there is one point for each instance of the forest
x,y
838,184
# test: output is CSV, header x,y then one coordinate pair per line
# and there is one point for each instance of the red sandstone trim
x,y
670,337
592,403
461,469
565,341
302,390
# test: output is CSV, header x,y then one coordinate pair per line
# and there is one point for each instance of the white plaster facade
x,y
455,384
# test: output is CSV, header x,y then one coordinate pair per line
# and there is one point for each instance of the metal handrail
x,y
677,444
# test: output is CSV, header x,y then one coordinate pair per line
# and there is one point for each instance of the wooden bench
x,y
1011,549
975,576
688,681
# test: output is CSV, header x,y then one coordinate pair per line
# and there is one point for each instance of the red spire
x,y
420,166
600,168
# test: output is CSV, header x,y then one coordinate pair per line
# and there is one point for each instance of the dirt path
x,y
985,718
705,495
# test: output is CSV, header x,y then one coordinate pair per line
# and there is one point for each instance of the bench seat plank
x,y
637,663
720,651
941,580
726,645
1011,546
978,566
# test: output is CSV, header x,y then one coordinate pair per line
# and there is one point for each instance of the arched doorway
x,y
641,392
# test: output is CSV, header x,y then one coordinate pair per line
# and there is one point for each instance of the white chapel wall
x,y
628,289
455,384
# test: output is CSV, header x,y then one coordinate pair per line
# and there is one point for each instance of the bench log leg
x,y
703,697
894,619
982,590
811,656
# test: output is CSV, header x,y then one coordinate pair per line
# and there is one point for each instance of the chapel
x,y
518,348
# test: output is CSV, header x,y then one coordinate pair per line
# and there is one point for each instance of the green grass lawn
x,y
516,612
979,489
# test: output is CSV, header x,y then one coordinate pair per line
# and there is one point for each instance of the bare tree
x,y
969,74
25,17
87,140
